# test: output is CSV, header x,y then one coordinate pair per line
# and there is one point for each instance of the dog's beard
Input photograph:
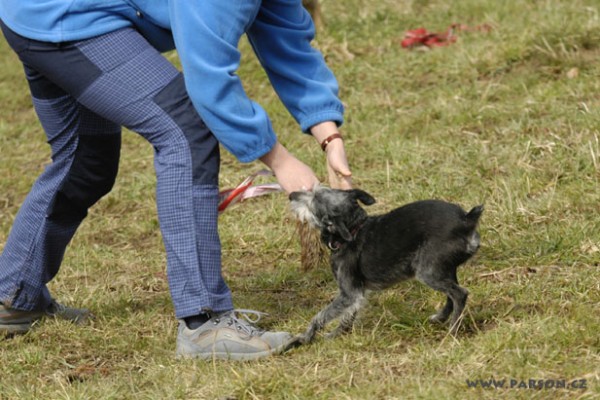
x,y
304,213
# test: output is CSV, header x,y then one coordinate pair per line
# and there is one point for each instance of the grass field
x,y
509,118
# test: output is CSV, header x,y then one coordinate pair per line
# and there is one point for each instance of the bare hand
x,y
340,176
291,173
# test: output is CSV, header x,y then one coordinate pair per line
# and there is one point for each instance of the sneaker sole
x,y
231,356
15,328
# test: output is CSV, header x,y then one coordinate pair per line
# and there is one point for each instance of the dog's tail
x,y
471,219
473,216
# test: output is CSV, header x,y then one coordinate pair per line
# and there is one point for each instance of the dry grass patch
x,y
508,118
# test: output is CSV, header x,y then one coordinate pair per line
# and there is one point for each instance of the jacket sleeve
x,y
281,36
207,33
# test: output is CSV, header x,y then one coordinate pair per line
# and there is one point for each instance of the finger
x,y
344,172
346,184
340,172
340,167
342,183
338,181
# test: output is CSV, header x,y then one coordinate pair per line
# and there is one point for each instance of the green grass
x,y
494,118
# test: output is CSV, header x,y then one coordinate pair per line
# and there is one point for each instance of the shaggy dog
x,y
426,240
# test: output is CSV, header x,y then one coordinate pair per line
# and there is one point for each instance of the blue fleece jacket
x,y
206,34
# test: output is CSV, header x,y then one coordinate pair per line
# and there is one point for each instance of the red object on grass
x,y
421,37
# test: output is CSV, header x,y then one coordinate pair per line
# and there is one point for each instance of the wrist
x,y
275,157
335,137
323,130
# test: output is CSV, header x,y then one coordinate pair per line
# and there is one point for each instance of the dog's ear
x,y
336,227
363,197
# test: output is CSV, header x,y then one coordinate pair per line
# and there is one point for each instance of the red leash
x,y
245,190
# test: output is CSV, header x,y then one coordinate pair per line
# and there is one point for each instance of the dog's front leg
x,y
342,302
348,317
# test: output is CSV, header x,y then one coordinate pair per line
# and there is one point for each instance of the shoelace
x,y
245,323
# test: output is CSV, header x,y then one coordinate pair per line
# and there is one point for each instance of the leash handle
x,y
245,190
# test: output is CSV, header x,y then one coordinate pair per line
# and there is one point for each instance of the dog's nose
x,y
294,196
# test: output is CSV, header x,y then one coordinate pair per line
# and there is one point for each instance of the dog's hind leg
x,y
457,296
442,316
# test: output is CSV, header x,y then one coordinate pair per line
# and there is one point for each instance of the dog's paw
x,y
437,319
298,340
332,335
339,331
293,343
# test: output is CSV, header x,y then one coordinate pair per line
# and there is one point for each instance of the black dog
x,y
426,239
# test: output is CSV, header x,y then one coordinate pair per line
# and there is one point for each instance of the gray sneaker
x,y
231,335
18,321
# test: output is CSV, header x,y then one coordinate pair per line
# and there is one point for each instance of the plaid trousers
x,y
83,92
